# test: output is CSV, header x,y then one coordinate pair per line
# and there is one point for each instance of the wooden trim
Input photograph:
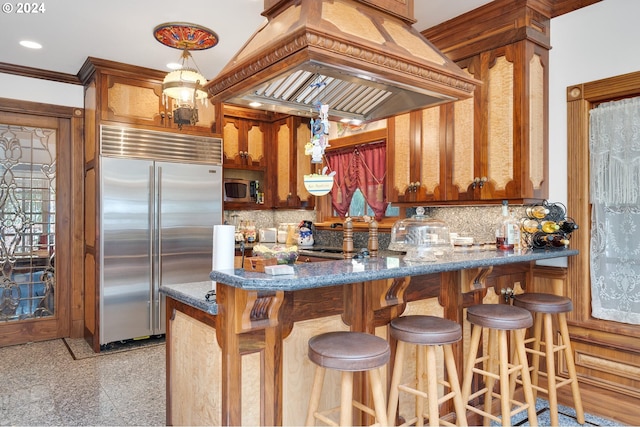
x,y
91,65
37,73
606,340
69,272
500,23
37,109
580,99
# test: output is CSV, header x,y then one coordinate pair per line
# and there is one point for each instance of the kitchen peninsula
x,y
242,359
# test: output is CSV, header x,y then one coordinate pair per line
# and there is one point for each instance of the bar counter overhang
x,y
255,312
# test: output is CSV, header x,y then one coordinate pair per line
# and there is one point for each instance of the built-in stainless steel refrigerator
x,y
157,219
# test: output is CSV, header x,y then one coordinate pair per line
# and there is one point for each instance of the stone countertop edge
x,y
192,294
320,274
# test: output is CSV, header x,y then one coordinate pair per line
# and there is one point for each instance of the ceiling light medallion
x,y
186,84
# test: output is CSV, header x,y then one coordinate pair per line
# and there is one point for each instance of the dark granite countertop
x,y
193,294
339,272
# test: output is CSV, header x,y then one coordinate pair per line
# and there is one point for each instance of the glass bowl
x,y
283,254
421,237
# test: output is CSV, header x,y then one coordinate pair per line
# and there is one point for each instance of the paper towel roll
x,y
223,248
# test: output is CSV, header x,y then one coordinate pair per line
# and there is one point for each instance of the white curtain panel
x,y
614,143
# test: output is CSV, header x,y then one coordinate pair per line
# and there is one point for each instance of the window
x,y
357,206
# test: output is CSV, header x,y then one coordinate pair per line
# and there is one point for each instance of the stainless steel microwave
x,y
237,190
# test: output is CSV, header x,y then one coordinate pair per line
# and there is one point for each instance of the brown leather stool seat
x,y
546,307
427,332
543,303
498,320
499,316
348,352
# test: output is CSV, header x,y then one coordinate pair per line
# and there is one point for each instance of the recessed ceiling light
x,y
254,104
174,65
30,44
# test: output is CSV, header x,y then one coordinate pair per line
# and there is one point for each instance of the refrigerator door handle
x,y
158,281
152,242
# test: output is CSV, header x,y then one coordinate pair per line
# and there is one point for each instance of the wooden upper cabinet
x,y
416,156
136,101
140,101
133,95
496,144
244,143
509,126
291,164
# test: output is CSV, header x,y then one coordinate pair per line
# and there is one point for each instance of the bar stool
x,y
427,332
348,352
544,307
498,320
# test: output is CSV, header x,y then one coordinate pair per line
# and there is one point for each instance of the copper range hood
x,y
361,57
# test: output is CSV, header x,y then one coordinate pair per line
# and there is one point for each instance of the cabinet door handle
x,y
478,182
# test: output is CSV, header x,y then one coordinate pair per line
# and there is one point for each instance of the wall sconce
x,y
186,84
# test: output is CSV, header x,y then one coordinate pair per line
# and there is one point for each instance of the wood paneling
x,y
606,351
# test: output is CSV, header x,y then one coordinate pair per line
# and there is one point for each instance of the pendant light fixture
x,y
185,85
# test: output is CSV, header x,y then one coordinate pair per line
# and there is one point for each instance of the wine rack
x,y
547,226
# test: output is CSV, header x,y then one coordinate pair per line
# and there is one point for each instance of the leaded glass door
x,y
28,220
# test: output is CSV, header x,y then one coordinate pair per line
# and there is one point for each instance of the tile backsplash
x,y
269,218
478,222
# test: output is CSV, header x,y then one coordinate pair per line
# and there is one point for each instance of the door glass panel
x,y
27,222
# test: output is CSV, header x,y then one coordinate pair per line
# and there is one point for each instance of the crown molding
x,y
38,73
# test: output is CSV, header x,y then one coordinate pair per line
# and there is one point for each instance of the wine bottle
x,y
530,225
537,211
549,226
542,240
500,230
568,225
507,230
557,240
514,234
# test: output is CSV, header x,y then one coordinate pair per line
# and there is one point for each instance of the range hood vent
x,y
364,61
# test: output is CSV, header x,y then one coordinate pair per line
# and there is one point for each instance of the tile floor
x,y
41,384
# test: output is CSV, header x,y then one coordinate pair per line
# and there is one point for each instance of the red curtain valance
x,y
362,167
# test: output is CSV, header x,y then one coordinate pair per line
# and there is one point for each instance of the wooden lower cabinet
x,y
195,382
194,368
193,374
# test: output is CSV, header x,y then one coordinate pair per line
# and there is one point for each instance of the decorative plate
x,y
182,35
